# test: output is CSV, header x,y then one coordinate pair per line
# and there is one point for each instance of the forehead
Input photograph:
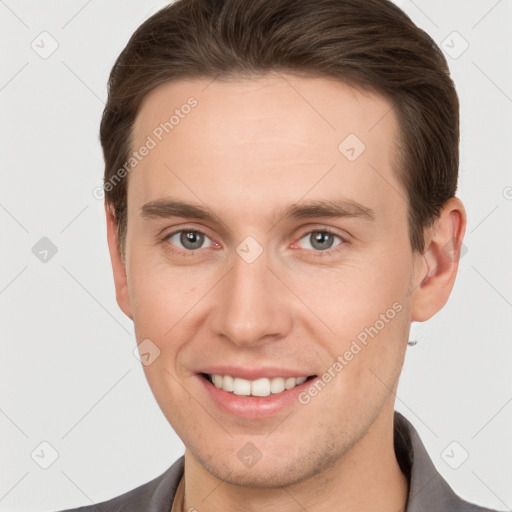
x,y
274,133
313,109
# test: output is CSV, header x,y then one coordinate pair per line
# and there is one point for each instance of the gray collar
x,y
428,491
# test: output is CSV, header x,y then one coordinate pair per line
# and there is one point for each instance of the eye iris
x,y
321,240
191,239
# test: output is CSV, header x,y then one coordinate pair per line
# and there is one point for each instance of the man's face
x,y
265,287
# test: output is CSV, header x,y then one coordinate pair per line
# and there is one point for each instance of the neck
x,y
367,477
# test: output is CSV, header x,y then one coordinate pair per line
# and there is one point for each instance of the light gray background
x,y
67,370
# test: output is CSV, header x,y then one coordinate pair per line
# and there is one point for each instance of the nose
x,y
252,306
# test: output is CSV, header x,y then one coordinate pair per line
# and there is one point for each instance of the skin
x,y
248,150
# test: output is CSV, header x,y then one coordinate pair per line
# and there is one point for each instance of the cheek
x,y
169,306
365,304
161,295
353,297
370,353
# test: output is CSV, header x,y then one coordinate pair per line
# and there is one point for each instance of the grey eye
x,y
189,239
320,240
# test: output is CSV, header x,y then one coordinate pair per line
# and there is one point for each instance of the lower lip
x,y
253,407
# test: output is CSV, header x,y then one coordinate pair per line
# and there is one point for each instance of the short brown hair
x,y
369,44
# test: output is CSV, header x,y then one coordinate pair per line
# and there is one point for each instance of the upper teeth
x,y
258,387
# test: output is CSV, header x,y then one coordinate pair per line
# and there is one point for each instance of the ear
x,y
437,266
118,266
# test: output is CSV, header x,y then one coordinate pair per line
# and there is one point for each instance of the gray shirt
x,y
428,491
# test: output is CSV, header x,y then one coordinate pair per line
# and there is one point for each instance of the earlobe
x,y
436,276
118,266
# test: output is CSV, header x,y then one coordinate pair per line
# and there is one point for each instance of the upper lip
x,y
253,373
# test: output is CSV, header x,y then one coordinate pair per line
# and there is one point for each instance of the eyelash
x,y
315,254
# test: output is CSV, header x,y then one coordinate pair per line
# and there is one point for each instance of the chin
x,y
268,476
273,473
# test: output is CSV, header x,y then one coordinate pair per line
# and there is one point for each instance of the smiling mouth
x,y
259,387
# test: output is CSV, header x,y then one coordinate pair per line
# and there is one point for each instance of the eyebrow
x,y
169,208
326,208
